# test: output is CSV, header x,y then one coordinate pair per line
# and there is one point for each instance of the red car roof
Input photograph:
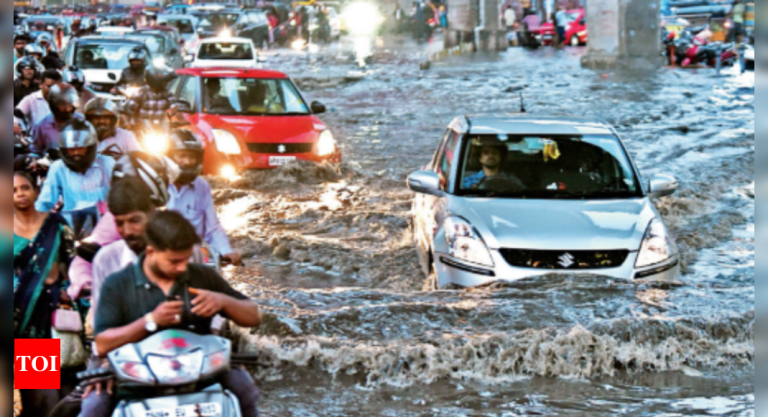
x,y
224,72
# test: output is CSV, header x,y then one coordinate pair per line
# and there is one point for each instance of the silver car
x,y
511,197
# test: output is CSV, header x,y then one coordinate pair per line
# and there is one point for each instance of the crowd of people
x,y
94,213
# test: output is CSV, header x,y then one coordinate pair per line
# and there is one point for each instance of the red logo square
x,y
37,364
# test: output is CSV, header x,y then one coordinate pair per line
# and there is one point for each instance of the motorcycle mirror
x,y
184,106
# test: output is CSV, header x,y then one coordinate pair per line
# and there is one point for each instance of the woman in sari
x,y
43,248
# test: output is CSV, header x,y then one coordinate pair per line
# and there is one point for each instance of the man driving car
x,y
154,294
492,156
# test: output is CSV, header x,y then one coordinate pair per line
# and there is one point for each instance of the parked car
x,y
512,197
102,60
253,119
575,31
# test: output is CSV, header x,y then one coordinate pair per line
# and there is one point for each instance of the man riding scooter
x,y
147,109
162,290
113,141
134,75
75,77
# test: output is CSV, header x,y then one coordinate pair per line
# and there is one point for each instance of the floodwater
x,y
348,330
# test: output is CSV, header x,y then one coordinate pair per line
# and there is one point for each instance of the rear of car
x,y
228,52
254,119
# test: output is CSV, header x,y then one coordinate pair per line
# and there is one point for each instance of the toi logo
x,y
37,364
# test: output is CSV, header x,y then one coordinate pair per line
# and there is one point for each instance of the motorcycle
x,y
690,50
171,373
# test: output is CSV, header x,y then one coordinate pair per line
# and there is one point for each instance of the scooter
x,y
170,374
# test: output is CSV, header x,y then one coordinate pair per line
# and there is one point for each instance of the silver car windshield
x,y
555,167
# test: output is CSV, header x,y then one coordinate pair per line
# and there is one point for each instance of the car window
x,y
445,163
106,56
155,43
251,96
547,167
188,92
226,51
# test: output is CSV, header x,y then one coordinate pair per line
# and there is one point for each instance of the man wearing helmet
x,y
26,79
35,106
191,195
35,51
62,101
81,177
103,114
135,74
153,101
76,78
492,153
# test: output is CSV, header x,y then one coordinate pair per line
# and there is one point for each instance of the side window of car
x,y
188,92
445,162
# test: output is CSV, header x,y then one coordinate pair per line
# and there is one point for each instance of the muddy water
x,y
348,331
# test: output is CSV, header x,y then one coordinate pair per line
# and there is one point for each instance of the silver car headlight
x,y
226,142
657,246
464,243
182,369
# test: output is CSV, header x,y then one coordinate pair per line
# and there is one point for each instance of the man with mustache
x,y
113,141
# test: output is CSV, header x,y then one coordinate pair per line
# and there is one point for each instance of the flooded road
x,y
348,330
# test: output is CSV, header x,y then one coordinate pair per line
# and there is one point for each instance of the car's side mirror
x,y
189,58
184,106
662,185
425,182
317,107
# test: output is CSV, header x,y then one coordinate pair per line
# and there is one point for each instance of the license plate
x,y
547,37
276,161
198,410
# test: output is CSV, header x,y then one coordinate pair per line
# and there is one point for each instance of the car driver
x,y
493,154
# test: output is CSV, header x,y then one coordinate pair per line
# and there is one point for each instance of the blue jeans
x,y
561,34
238,381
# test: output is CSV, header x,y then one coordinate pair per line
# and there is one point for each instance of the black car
x,y
249,24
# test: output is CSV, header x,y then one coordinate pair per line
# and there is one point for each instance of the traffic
x,y
320,208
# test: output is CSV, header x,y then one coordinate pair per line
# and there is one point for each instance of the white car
x,y
226,52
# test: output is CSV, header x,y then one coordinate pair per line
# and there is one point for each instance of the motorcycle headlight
x,y
155,143
132,91
226,142
216,362
326,145
657,247
136,372
464,243
182,369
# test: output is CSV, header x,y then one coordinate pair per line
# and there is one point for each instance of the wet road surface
x,y
348,330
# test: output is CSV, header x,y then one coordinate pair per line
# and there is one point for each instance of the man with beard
x,y
26,79
135,74
191,195
129,202
145,298
81,177
35,106
492,155
20,41
113,141
62,101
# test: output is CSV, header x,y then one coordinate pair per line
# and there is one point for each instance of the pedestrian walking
x,y
560,23
510,18
737,20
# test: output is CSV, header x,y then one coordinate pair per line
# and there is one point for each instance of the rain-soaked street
x,y
329,251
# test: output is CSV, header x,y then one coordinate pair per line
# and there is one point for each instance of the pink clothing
x,y
81,271
120,144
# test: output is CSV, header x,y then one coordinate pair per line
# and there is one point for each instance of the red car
x,y
253,119
575,31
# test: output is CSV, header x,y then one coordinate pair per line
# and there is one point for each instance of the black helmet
x,y
159,78
185,140
74,76
26,62
62,94
153,171
78,133
100,106
137,54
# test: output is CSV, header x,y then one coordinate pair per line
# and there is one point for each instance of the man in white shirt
x,y
113,141
35,106
510,18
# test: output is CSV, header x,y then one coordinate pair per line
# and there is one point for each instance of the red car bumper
x,y
216,163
